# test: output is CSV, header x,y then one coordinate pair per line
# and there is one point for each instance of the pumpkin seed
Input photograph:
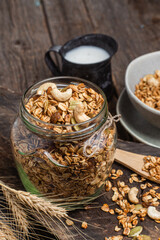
x,y
73,104
77,128
138,207
135,231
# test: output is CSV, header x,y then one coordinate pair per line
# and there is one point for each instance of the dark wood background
x,y
29,27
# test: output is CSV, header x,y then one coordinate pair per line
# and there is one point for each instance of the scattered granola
x,y
152,166
134,178
148,90
130,214
151,198
117,229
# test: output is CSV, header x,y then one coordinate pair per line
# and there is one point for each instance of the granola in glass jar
x,y
58,118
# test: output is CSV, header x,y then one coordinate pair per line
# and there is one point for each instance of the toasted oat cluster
x,y
152,166
71,105
148,90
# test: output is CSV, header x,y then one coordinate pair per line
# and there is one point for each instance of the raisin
x,y
55,117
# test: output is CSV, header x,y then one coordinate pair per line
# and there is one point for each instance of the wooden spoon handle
x,y
134,162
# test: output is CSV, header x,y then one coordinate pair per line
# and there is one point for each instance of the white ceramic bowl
x,y
138,68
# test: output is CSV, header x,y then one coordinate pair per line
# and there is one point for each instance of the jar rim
x,y
63,125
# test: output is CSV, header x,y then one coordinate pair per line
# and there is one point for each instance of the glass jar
x,y
62,163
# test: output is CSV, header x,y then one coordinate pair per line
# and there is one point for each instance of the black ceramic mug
x,y
98,72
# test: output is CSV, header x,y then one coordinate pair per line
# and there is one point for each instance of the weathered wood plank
x,y
23,42
134,24
67,19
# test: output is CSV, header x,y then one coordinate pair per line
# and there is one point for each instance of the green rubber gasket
x,y
25,180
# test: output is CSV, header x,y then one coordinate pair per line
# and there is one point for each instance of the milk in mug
x,y
86,55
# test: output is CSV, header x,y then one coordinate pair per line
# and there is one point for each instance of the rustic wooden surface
x,y
29,28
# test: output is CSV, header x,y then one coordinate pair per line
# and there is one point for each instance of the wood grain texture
x,y
134,24
67,19
9,102
24,40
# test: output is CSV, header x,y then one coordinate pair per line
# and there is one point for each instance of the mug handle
x,y
50,63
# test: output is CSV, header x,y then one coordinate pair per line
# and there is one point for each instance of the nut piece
x,y
84,225
69,222
61,96
132,195
79,114
105,207
153,213
135,231
44,87
117,229
108,185
153,82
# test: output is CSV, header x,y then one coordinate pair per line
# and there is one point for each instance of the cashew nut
x,y
132,195
153,213
79,114
61,96
45,86
153,82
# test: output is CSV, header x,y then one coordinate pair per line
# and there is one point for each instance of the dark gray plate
x,y
135,124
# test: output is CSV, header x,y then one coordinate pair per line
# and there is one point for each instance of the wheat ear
x,y
37,203
3,236
19,214
6,232
50,215
56,227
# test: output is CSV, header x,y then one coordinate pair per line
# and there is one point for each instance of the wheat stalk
x,y
19,214
48,214
37,203
57,228
6,232
3,236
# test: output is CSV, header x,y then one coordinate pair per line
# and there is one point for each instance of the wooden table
x,y
29,28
